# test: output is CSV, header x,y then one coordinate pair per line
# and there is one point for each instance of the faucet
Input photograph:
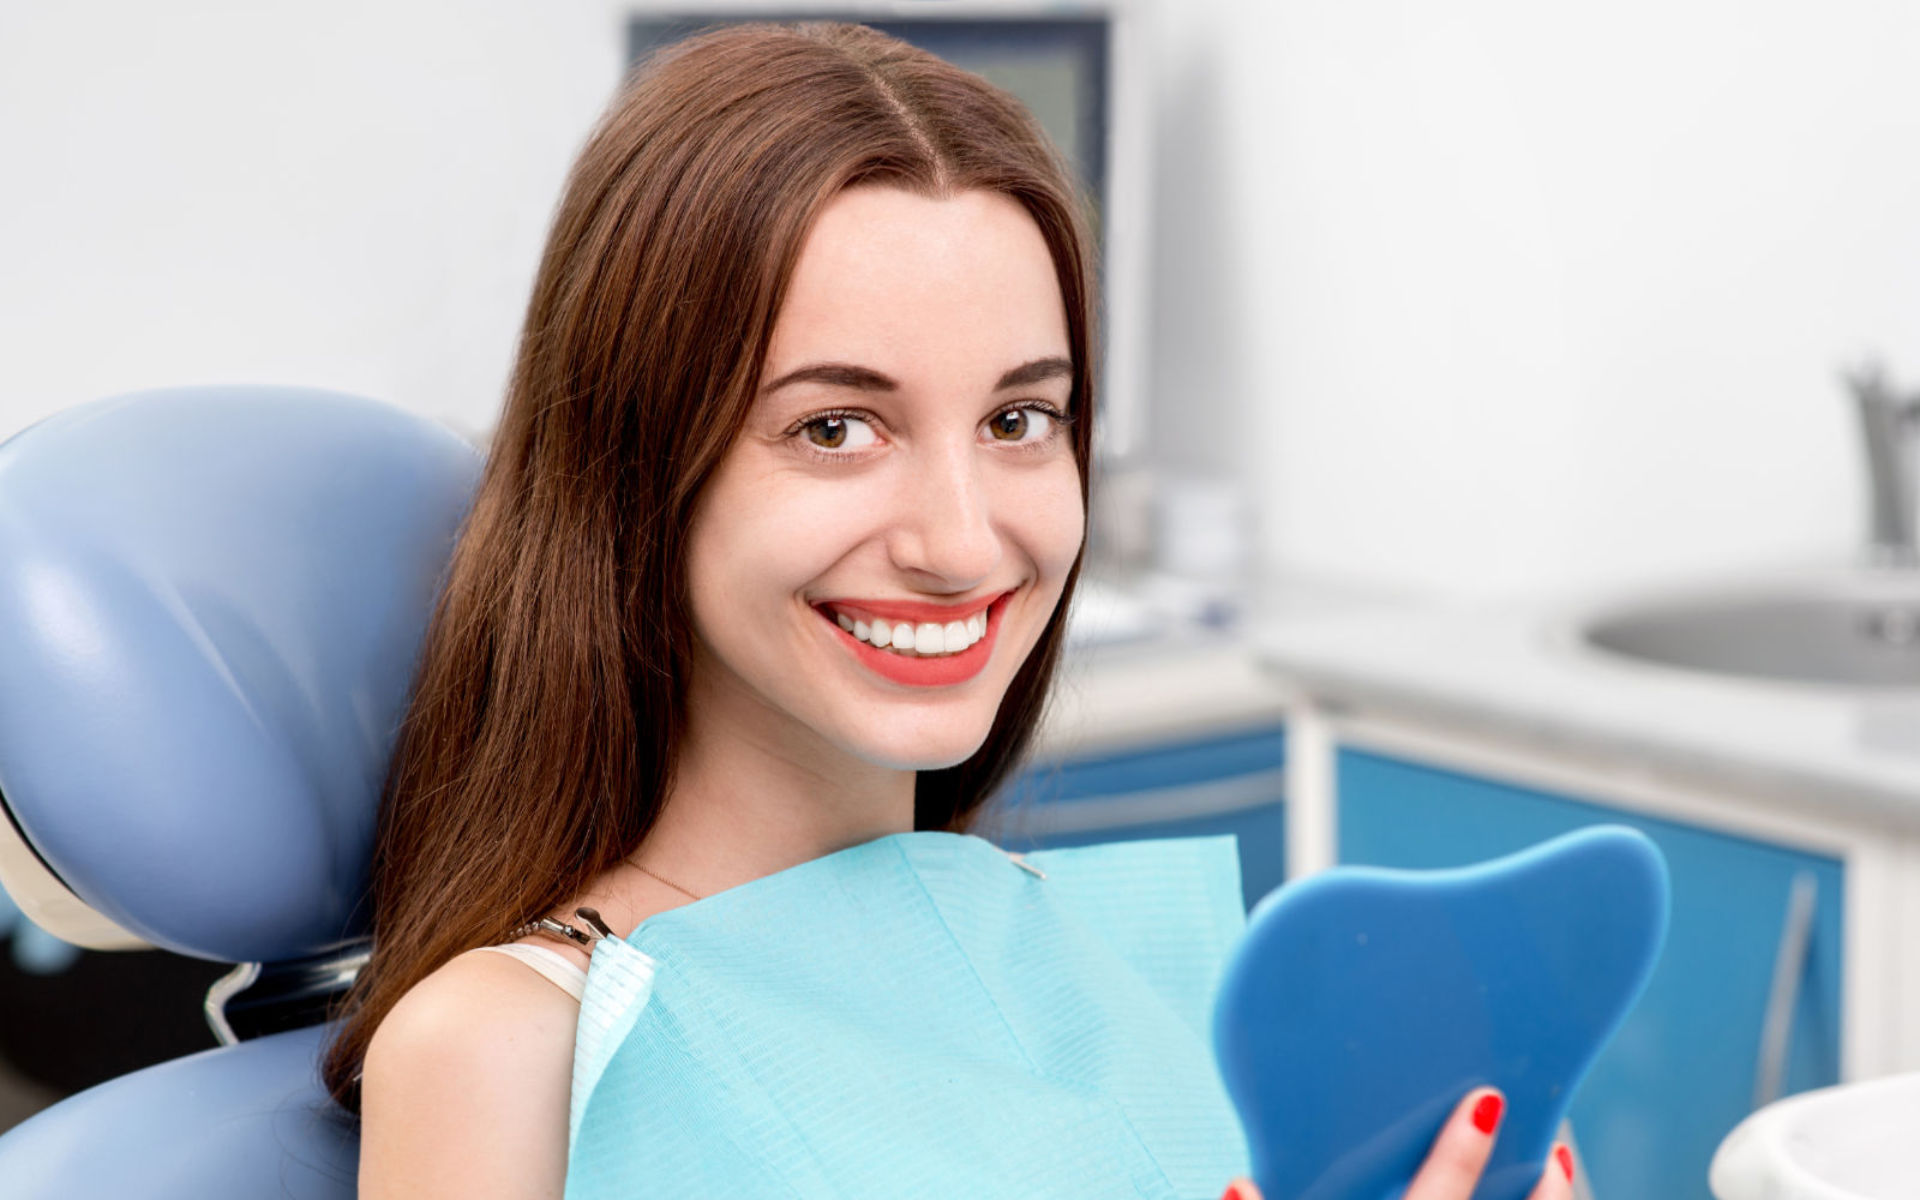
x,y
1888,421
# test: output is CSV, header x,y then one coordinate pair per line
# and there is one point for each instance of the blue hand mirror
x,y
1363,1003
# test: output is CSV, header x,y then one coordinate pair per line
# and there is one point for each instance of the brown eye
x,y
1009,426
1028,425
829,432
839,431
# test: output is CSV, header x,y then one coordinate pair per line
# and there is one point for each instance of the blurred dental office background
x,y
1471,299
1457,307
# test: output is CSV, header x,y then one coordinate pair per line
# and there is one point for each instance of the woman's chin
x,y
935,754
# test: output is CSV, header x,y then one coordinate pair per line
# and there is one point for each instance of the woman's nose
x,y
945,529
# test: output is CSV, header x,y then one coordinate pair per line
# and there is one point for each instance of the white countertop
x,y
1517,673
1179,689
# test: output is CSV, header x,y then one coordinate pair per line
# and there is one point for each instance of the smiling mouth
x,y
912,639
918,645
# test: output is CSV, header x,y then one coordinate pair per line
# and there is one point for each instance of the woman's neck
x,y
751,797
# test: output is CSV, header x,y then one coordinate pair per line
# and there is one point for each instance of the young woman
x,y
770,560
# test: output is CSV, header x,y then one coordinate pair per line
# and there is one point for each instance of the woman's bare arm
x,y
466,1086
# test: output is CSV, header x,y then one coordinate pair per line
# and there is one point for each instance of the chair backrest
x,y
211,603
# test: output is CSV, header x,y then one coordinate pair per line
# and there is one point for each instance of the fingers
x,y
1556,1182
1460,1152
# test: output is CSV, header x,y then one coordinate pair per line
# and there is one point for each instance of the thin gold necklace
x,y
670,883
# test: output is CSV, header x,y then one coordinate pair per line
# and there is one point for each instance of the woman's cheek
x,y
806,530
1053,519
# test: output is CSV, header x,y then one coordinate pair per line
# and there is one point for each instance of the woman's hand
x,y
1458,1156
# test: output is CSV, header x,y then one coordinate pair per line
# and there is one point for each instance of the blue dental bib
x,y
919,1016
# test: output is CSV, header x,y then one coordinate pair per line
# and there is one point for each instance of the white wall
x,y
1513,297
1478,297
350,194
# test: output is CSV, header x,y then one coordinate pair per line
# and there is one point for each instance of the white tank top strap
x,y
557,967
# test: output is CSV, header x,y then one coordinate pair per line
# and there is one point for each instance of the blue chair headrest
x,y
211,601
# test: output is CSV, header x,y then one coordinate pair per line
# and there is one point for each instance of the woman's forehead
x,y
911,285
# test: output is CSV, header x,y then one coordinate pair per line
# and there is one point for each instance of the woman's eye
x,y
839,431
1020,425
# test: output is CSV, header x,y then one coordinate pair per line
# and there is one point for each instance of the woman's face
x,y
905,474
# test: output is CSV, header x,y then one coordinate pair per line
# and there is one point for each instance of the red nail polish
x,y
1486,1114
1564,1157
1234,1193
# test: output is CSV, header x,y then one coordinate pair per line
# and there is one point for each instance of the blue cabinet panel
x,y
1191,789
1680,1073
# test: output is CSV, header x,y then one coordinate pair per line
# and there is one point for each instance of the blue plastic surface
x,y
1363,1003
211,601
1707,1001
248,1120
210,604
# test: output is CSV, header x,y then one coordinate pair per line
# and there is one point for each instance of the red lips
x,y
943,670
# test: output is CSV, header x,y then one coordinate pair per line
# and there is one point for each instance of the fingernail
x,y
1564,1157
1486,1113
1234,1193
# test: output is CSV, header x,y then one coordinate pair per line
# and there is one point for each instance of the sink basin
x,y
1850,629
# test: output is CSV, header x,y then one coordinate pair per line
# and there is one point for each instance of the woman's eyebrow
x,y
1034,372
866,379
838,375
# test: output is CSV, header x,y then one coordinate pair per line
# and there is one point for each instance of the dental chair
x,y
211,601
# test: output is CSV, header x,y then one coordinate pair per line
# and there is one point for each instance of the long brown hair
x,y
540,739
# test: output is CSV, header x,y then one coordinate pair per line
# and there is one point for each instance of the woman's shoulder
x,y
564,967
478,1021
474,1061
473,999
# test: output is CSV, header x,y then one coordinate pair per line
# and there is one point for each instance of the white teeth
x,y
926,638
